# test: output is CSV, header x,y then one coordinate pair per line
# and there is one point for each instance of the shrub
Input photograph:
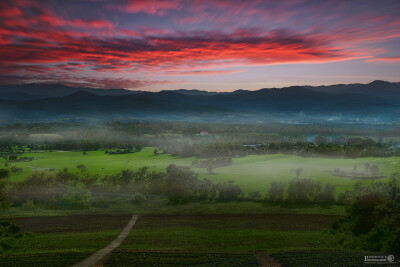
x,y
16,170
372,220
8,232
275,191
138,198
255,195
28,205
74,198
4,173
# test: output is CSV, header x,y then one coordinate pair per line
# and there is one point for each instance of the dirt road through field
x,y
99,255
266,260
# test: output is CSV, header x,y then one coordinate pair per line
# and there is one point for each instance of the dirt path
x,y
266,260
102,253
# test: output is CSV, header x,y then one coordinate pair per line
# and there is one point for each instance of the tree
x,y
298,172
372,220
16,170
155,151
171,168
320,139
367,167
275,191
180,184
255,195
229,191
4,173
327,194
301,191
156,183
374,169
81,167
210,168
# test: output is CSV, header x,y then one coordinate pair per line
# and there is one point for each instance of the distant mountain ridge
x,y
373,101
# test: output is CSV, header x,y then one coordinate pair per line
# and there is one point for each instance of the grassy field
x,y
264,168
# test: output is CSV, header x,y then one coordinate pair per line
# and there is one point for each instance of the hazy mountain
x,y
374,100
20,96
376,88
58,90
191,92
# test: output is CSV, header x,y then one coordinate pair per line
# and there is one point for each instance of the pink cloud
x,y
385,59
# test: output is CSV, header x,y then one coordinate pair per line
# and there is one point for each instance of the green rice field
x,y
251,173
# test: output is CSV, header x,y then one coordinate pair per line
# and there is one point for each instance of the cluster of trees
x,y
179,184
8,233
351,148
12,149
225,141
74,189
372,220
127,150
15,158
4,173
301,190
369,171
186,128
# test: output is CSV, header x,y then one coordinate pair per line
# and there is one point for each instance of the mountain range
x,y
378,101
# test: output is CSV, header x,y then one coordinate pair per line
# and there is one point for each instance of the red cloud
x,y
185,53
152,7
385,59
37,41
203,72
111,83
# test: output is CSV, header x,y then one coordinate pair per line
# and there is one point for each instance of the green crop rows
x,y
125,258
322,258
42,259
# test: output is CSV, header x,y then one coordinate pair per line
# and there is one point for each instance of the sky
x,y
215,45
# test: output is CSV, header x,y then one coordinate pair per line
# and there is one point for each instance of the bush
x,y
5,193
301,191
4,173
138,198
8,232
275,191
28,205
100,203
309,191
372,220
255,195
74,198
229,191
180,184
16,170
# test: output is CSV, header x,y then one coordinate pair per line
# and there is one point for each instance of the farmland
x,y
230,233
265,168
198,236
